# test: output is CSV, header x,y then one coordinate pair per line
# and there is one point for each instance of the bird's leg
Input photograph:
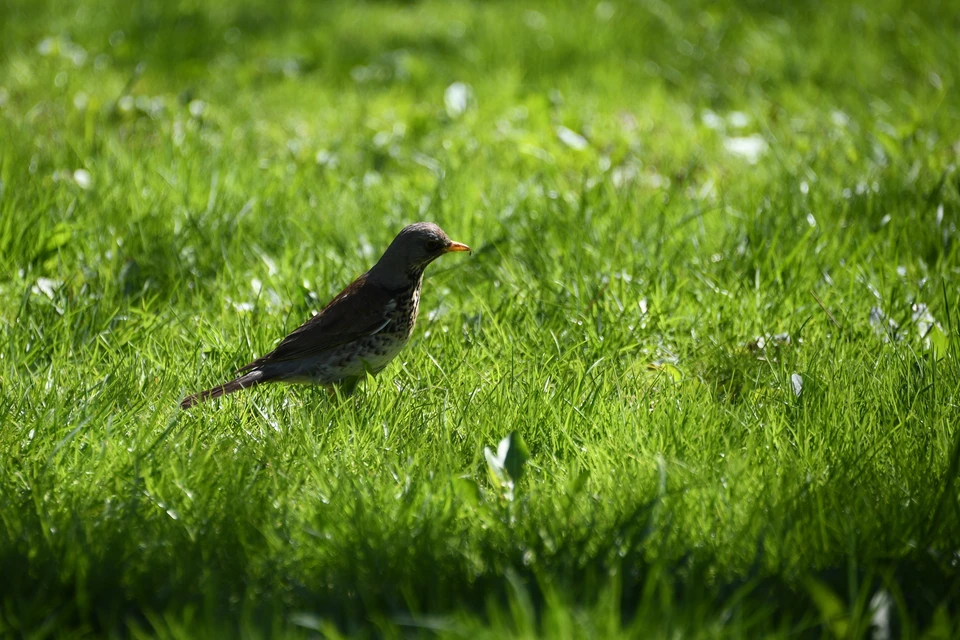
x,y
348,385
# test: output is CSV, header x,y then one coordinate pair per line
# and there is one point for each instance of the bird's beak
x,y
456,246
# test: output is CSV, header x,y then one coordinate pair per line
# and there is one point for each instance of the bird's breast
x,y
405,314
369,353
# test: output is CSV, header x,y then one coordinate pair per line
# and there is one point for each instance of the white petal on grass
x,y
624,174
46,286
497,464
796,381
503,447
654,180
326,158
457,99
47,46
76,54
738,119
572,139
750,148
197,107
126,104
880,610
382,139
712,121
923,319
839,118
882,326
83,178
270,262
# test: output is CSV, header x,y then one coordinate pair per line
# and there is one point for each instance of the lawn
x,y
713,310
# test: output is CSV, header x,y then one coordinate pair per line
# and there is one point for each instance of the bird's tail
x,y
245,381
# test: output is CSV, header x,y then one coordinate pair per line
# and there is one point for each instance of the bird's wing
x,y
362,309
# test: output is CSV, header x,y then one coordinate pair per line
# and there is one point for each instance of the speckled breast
x,y
375,352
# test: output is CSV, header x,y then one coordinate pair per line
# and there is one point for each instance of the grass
x,y
714,291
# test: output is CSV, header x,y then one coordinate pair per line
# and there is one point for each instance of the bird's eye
x,y
435,245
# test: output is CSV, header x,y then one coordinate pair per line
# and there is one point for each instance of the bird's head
x,y
416,246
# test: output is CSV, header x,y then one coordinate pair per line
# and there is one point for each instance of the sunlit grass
x,y
714,289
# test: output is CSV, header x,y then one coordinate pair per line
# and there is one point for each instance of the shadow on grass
x,y
139,569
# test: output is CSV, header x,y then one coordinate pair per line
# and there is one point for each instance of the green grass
x,y
638,307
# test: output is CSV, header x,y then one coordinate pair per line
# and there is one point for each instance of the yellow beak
x,y
456,246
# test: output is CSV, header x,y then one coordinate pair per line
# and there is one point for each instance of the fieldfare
x,y
360,330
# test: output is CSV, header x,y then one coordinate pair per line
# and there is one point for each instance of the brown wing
x,y
362,309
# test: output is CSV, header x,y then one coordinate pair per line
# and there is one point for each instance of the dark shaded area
x,y
106,583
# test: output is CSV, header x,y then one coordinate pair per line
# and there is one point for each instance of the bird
x,y
361,330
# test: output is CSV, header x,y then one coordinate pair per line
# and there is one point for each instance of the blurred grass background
x,y
714,288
